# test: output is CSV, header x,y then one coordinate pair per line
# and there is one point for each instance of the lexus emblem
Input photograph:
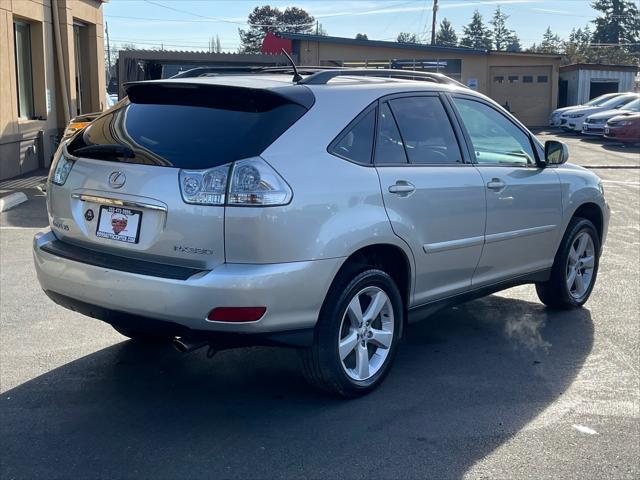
x,y
117,179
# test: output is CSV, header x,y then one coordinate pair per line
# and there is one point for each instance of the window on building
x,y
543,78
24,75
426,131
498,79
513,78
527,79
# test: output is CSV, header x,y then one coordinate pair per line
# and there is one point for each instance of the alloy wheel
x,y
366,333
580,265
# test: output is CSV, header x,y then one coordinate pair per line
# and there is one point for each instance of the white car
x,y
594,124
573,119
554,119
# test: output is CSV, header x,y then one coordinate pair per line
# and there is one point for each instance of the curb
x,y
12,200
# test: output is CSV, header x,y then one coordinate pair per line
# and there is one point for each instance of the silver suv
x,y
323,214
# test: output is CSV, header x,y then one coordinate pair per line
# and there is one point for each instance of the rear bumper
x,y
292,292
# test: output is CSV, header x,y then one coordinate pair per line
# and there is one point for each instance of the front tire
x,y
574,269
357,334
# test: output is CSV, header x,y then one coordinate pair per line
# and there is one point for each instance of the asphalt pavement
x,y
496,388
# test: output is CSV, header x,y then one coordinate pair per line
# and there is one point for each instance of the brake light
x,y
60,168
236,314
249,182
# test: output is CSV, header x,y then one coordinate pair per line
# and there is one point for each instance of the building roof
x,y
599,66
381,43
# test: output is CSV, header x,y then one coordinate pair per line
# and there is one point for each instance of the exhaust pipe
x,y
185,345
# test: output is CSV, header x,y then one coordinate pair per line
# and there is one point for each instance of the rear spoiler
x,y
202,94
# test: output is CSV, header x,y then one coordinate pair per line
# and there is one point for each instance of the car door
x,y
433,195
524,205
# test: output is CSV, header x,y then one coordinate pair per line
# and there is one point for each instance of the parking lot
x,y
497,388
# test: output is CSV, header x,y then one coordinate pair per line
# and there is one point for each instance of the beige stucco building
x,y
526,83
51,69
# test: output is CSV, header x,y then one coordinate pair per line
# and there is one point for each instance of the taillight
x,y
236,314
60,168
249,182
204,187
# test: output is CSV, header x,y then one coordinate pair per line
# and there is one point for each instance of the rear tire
x,y
357,334
574,269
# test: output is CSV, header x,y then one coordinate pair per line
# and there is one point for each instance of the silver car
x,y
323,214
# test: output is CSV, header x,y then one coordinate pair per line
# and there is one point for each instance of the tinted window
x,y
192,127
357,143
426,130
389,147
543,79
495,139
527,79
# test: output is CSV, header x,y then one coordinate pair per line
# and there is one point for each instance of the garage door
x,y
525,90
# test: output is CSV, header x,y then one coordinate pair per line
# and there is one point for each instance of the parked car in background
x,y
554,119
594,124
572,120
624,128
78,123
318,214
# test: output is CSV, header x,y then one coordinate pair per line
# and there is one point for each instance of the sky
x,y
189,24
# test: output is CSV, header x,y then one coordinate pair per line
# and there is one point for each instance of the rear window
x,y
191,127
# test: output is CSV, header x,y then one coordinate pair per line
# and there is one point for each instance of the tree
x,y
446,35
405,37
269,19
619,24
215,45
551,43
502,36
361,36
476,35
514,44
577,49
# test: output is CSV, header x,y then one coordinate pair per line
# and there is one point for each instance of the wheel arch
x,y
592,212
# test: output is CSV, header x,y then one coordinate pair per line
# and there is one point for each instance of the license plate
x,y
121,224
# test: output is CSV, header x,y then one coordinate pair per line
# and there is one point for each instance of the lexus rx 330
x,y
323,214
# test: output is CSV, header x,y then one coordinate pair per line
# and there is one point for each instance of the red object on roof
x,y
274,44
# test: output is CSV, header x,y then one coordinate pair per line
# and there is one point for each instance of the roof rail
x,y
322,77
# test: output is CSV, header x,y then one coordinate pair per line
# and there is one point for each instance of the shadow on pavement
x,y
31,214
463,384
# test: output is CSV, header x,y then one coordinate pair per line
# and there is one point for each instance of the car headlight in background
x,y
576,115
73,127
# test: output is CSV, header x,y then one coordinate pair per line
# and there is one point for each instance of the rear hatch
x,y
121,193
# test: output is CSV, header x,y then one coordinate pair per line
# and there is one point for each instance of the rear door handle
x,y
496,184
402,188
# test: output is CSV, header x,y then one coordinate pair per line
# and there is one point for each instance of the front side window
x,y
357,143
24,78
426,131
496,140
389,146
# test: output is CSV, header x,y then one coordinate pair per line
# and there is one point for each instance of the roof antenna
x,y
296,75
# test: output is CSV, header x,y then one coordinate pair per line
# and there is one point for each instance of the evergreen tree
x,y
619,23
476,35
551,43
502,36
406,37
361,36
446,35
269,19
514,44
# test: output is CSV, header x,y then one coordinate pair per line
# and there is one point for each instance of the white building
x,y
580,82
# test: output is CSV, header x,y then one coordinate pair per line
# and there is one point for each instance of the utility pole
x,y
433,22
108,54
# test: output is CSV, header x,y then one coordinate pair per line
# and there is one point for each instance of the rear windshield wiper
x,y
105,151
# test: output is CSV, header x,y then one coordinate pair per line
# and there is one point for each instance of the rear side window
x,y
193,128
389,146
426,130
356,144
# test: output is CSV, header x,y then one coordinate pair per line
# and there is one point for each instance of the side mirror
x,y
555,153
